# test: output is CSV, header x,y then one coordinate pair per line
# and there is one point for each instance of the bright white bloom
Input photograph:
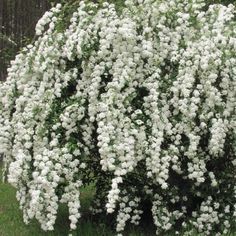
x,y
142,100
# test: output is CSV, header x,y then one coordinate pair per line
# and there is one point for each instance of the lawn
x,y
11,221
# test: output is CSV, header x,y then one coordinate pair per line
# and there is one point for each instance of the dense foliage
x,y
138,100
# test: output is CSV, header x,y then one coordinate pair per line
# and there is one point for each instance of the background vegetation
x,y
17,23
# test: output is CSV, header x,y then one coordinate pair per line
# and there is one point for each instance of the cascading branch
x,y
141,101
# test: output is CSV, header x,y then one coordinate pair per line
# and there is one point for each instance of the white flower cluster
x,y
163,218
128,210
209,215
48,19
142,100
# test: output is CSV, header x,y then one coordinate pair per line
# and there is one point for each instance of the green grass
x,y
11,220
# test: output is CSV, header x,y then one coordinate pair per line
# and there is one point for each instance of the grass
x,y
11,220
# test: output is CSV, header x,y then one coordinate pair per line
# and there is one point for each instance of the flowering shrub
x,y
139,100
